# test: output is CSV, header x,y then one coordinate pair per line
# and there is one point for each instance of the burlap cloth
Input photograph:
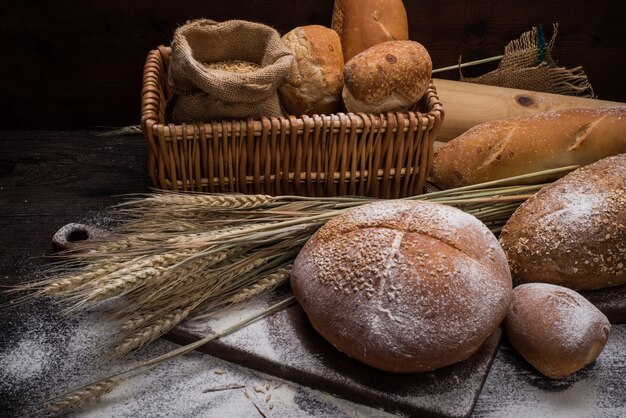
x,y
202,94
528,64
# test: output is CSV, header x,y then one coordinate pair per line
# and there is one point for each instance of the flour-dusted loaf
x,y
315,81
555,329
572,232
365,23
526,144
403,286
390,76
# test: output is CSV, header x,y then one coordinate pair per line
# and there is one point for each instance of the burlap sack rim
x,y
251,82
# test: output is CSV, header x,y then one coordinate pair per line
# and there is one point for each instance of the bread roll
x,y
555,329
404,286
573,232
387,77
365,23
526,144
316,78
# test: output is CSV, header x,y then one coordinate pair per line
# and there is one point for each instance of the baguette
x,y
365,23
526,144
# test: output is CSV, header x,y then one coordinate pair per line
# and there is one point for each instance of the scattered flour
x,y
514,389
28,359
51,354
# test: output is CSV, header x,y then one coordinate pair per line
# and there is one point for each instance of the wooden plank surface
x,y
470,104
78,65
48,179
286,345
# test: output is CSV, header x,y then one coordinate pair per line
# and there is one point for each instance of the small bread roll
x,y
316,78
404,286
390,76
572,232
365,23
555,329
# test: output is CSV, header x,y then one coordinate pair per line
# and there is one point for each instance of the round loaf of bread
x,y
555,329
316,78
572,232
365,23
527,144
403,286
390,76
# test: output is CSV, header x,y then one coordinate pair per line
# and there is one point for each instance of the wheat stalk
x,y
82,396
172,201
148,334
137,320
264,284
59,286
163,315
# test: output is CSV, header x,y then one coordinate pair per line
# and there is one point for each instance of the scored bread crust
x,y
387,77
316,78
365,23
555,329
572,232
526,144
403,286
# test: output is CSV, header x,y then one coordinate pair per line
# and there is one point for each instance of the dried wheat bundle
x,y
177,255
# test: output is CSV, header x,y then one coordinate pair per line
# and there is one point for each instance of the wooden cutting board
x,y
285,345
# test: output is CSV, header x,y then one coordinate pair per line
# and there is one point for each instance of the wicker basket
x,y
385,156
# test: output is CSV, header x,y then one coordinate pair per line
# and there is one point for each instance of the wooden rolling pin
x,y
469,104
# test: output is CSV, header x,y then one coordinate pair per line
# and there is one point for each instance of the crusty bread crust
x,y
572,232
387,77
365,23
555,329
527,144
403,286
316,77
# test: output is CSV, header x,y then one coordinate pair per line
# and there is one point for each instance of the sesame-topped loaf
x,y
573,232
403,286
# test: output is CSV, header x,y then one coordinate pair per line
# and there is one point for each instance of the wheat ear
x,y
176,201
159,327
80,397
63,285
265,284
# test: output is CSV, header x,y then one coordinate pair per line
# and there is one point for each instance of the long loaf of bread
x,y
365,23
527,144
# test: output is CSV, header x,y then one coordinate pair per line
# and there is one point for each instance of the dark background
x,y
78,64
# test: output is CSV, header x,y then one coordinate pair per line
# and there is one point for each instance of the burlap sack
x,y
202,94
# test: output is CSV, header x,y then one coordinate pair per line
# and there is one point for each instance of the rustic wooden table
x,y
49,179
